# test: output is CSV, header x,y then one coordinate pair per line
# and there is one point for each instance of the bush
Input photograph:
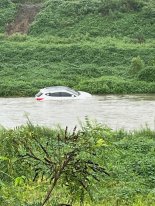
x,y
4,3
129,157
108,6
136,64
71,160
132,5
114,85
149,10
147,74
7,13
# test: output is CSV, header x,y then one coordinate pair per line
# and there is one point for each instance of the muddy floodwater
x,y
127,111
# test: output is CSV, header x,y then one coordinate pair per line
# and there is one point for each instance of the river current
x,y
117,111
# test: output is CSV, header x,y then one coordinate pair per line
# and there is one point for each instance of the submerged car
x,y
60,92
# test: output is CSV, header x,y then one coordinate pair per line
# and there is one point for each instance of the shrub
x,y
114,85
138,38
147,74
70,160
7,13
149,10
129,157
136,64
132,5
108,6
4,3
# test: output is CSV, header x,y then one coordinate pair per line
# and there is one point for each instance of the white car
x,y
60,92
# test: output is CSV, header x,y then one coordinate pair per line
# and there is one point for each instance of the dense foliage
x,y
30,155
7,13
147,74
94,65
117,18
97,46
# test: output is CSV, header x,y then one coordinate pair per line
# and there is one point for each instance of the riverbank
x,y
95,46
96,65
128,158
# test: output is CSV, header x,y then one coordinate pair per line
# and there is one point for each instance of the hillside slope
x,y
117,18
98,46
24,17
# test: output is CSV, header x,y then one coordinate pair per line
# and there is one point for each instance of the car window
x,y
54,94
59,94
65,94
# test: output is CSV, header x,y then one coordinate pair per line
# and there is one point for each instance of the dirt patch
x,y
25,16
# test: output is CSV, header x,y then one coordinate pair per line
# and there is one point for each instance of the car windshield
x,y
39,94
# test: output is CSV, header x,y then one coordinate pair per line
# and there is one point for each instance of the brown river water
x,y
117,111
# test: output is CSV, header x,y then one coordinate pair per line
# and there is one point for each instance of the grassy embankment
x,y
127,157
88,45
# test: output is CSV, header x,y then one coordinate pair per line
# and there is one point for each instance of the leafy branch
x,y
69,158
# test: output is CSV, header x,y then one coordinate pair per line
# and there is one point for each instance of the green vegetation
x,y
29,155
7,13
94,65
98,46
119,18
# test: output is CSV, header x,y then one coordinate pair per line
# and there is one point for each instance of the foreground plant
x,y
72,160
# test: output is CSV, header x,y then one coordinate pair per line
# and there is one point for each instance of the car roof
x,y
60,89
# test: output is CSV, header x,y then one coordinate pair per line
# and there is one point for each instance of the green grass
x,y
129,159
